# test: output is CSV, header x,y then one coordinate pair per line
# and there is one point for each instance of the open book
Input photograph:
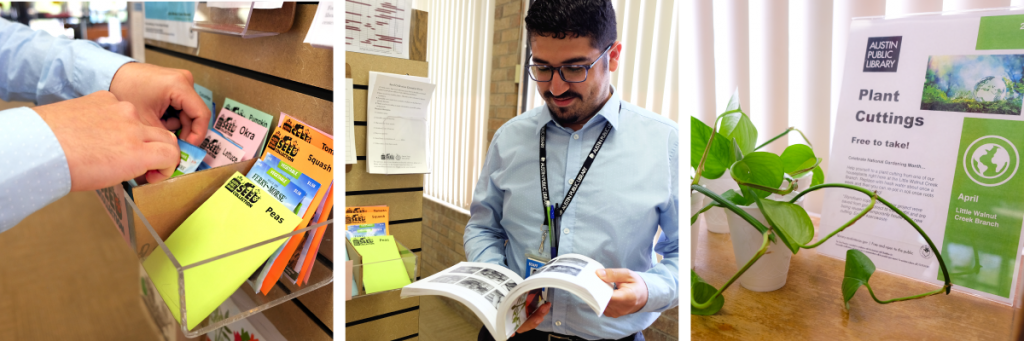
x,y
498,295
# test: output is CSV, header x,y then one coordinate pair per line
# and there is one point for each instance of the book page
x,y
482,287
573,273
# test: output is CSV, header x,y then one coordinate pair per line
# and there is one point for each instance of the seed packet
x,y
191,157
220,150
280,187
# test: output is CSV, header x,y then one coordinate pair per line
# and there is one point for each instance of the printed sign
x,y
930,117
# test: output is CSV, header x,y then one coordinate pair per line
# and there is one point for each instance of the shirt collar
x,y
610,112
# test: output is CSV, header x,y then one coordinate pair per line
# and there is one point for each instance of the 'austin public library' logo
x,y
883,54
991,160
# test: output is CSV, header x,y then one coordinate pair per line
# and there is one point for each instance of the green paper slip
x,y
238,214
382,270
250,113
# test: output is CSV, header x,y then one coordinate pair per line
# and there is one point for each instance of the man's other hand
x,y
629,296
153,88
105,142
535,319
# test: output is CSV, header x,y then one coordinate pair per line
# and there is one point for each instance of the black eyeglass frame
x,y
586,69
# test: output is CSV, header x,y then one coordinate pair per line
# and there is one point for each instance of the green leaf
x,y
818,177
737,153
734,101
719,157
858,270
738,126
790,221
736,198
701,292
759,168
797,158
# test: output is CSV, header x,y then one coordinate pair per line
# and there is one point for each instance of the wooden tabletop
x,y
810,305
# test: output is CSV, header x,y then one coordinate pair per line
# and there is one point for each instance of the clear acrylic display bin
x,y
153,301
355,282
244,19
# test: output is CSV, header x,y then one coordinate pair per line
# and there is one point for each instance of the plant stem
x,y
786,132
760,252
872,292
707,149
854,220
693,218
938,256
732,207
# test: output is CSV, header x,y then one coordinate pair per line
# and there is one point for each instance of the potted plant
x,y
767,183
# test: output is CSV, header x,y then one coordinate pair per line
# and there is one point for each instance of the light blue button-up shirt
x,y
630,190
37,67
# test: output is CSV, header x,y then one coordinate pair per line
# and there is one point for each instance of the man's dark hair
x,y
560,19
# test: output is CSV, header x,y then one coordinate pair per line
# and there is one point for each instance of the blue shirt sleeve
x,y
37,67
663,279
33,169
40,68
484,238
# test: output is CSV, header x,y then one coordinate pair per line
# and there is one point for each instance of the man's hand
x,y
105,142
631,294
153,88
535,319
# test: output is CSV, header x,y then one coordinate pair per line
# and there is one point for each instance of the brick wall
x,y
508,40
443,227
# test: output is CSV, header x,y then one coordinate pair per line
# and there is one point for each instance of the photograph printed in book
x,y
466,269
448,280
510,285
570,261
570,270
476,286
493,275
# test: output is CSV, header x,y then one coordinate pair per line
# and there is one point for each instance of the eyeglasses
x,y
569,73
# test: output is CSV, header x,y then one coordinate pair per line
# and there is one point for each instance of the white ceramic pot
x,y
696,203
715,218
770,272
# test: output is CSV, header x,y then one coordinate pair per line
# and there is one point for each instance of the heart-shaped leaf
x,y
719,157
790,221
739,127
798,158
759,168
701,292
818,177
736,198
858,270
734,101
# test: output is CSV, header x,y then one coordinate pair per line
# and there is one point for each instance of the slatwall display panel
x,y
385,316
272,74
283,55
269,98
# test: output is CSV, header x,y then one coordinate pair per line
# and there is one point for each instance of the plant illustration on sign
x,y
770,186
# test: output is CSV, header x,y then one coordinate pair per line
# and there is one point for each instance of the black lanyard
x,y
579,176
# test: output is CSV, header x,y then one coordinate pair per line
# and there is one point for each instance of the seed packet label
x,y
307,133
245,133
219,150
929,116
250,113
281,188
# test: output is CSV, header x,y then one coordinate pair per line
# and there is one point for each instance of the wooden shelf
x,y
810,306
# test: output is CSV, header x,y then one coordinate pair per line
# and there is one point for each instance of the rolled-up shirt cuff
x,y
33,167
659,297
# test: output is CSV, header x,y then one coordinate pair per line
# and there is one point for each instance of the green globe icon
x,y
990,160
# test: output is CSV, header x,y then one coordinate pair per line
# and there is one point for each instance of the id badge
x,y
533,263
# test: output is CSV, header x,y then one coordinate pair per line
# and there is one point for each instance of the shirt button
x,y
558,323
565,231
575,136
569,182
